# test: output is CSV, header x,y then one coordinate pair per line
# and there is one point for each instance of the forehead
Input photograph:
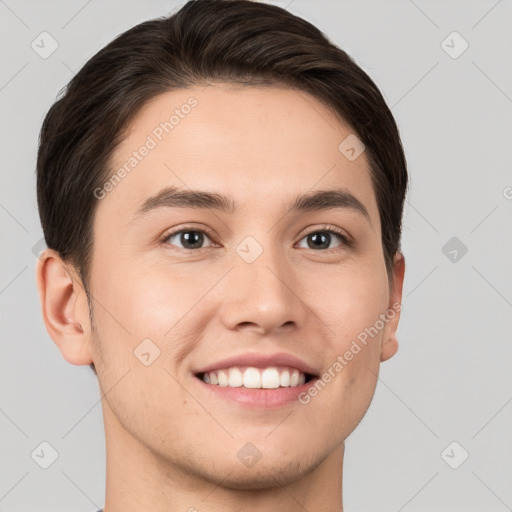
x,y
258,145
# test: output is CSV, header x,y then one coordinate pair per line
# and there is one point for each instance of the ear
x,y
64,307
389,341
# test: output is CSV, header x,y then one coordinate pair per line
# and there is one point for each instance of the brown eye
x,y
189,239
322,239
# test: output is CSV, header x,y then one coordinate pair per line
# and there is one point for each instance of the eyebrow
x,y
172,197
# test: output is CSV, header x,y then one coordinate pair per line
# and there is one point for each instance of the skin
x,y
170,444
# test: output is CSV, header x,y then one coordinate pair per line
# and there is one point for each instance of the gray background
x,y
451,379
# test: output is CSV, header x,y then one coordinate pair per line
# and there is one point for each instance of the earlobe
x,y
389,348
389,340
64,307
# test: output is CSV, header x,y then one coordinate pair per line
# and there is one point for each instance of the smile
x,y
271,377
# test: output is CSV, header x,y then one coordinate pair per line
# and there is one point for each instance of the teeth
x,y
223,378
236,379
284,379
252,378
270,378
255,378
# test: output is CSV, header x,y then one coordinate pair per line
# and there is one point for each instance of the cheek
x,y
350,303
144,300
351,306
153,309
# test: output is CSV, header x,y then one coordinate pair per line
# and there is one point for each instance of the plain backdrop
x,y
438,433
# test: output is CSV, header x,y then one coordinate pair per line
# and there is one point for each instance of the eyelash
x,y
324,229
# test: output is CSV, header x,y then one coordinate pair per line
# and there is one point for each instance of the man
x,y
221,193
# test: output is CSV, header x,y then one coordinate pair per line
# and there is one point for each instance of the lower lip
x,y
263,398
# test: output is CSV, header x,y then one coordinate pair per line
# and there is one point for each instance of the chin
x,y
269,477
265,474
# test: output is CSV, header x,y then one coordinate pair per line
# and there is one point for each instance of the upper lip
x,y
260,360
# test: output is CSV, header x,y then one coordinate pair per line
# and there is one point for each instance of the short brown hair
x,y
235,41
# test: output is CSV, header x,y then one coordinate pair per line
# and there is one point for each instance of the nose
x,y
263,296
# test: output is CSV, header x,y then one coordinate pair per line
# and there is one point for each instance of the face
x,y
179,287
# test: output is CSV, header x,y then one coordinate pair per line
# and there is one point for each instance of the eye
x,y
190,238
322,238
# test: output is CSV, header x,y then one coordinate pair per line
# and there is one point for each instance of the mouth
x,y
252,377
256,380
269,388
